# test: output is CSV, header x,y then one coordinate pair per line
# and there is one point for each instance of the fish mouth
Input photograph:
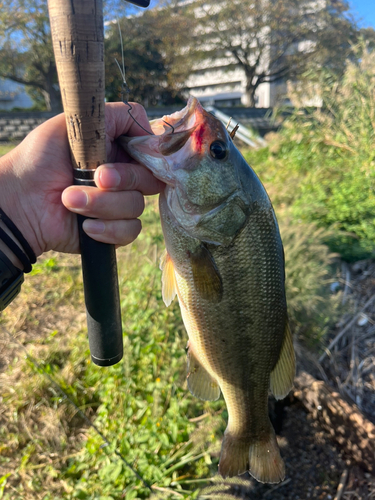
x,y
176,129
180,121
164,152
192,122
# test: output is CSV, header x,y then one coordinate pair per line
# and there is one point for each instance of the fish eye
x,y
218,150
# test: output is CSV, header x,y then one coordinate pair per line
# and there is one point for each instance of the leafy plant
x,y
322,162
141,405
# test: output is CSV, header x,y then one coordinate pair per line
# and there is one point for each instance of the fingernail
x,y
93,226
76,199
109,177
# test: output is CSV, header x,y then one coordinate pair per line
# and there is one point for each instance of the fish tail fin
x,y
261,458
266,464
234,457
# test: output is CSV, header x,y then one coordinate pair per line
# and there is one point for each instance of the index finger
x,y
119,121
127,177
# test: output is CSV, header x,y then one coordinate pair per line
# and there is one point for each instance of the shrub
x,y
322,162
311,306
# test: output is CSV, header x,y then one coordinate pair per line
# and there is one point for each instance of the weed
x,y
322,162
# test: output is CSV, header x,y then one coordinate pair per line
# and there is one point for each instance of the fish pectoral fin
x,y
206,276
200,382
168,279
282,376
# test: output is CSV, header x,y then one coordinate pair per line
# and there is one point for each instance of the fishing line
x,y
79,411
125,88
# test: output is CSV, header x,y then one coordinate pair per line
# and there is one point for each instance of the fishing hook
x,y
169,125
233,133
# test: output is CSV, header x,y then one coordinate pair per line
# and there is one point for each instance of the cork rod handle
x,y
78,43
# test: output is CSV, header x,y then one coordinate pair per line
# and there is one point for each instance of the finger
x,y
120,118
115,232
94,202
127,177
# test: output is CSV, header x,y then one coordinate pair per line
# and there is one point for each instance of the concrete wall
x,y
15,126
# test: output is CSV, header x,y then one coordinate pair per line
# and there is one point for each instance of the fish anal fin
x,y
282,376
206,276
200,382
168,279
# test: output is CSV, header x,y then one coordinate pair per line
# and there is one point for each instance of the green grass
x,y
6,147
142,404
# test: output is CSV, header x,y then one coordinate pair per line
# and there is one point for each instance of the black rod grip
x,y
102,298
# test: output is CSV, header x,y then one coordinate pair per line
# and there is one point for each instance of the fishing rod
x,y
78,41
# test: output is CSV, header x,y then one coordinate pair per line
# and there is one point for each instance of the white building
x,y
222,81
13,95
221,87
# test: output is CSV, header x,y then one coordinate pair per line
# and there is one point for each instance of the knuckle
x,y
132,179
137,204
126,232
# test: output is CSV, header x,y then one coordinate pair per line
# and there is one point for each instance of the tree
x,y
155,70
273,40
26,54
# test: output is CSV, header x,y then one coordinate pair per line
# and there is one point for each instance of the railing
x,y
246,135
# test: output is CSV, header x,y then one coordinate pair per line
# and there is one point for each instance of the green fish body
x,y
224,260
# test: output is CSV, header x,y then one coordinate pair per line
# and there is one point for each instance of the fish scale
x,y
225,262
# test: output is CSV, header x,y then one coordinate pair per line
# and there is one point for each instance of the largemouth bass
x,y
224,260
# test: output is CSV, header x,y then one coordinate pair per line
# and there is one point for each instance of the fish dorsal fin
x,y
233,133
200,382
168,278
207,279
282,375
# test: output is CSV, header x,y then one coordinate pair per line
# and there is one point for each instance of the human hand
x,y
36,188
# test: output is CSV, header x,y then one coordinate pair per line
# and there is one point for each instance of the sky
x,y
364,9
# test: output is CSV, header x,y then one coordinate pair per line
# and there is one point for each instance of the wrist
x,y
14,202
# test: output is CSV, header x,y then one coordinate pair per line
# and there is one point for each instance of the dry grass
x,y
350,363
38,431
